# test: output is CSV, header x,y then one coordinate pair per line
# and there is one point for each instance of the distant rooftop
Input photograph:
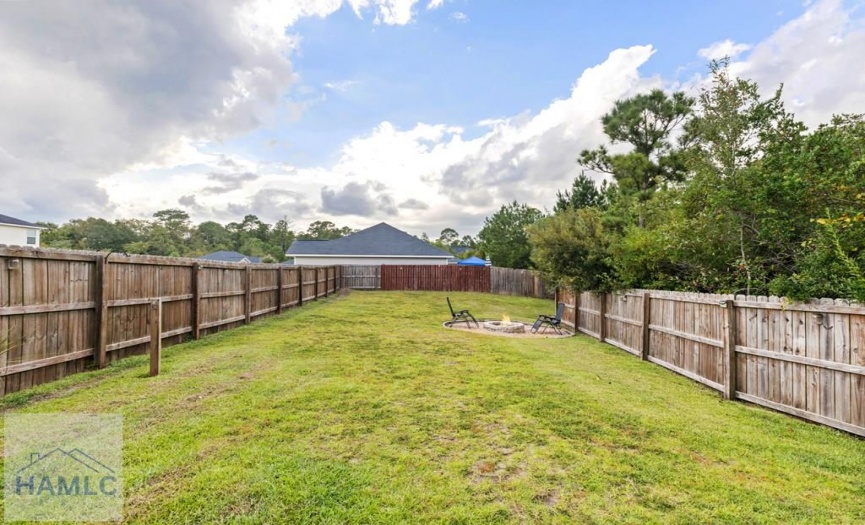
x,y
5,219
229,256
381,239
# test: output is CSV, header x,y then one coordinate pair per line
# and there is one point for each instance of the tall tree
x,y
282,235
173,220
584,193
210,236
503,237
741,197
448,237
325,230
646,122
571,248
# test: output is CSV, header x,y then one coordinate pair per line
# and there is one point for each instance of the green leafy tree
x,y
51,235
584,193
826,180
503,237
210,236
571,248
282,236
448,237
325,230
741,196
173,220
645,122
91,234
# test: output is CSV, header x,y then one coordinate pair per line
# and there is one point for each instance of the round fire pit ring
x,y
493,327
507,327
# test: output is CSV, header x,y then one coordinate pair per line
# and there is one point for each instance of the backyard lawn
x,y
364,409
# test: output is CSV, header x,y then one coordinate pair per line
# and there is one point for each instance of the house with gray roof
x,y
229,256
16,232
379,244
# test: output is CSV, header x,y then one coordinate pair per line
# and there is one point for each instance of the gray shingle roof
x,y
381,239
5,219
228,256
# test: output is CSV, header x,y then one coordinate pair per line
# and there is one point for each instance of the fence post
x,y
247,298
602,331
196,301
278,290
326,280
101,313
730,350
155,337
577,298
647,317
299,270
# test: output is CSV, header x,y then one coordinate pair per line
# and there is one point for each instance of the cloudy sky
x,y
423,113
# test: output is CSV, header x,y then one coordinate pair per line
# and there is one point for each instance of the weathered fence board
x,y
361,277
61,311
804,359
509,281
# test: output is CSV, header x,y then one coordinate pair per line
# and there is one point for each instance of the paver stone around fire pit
x,y
504,326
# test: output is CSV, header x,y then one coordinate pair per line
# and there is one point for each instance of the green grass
x,y
364,409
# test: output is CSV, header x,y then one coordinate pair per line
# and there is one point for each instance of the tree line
x,y
723,193
171,233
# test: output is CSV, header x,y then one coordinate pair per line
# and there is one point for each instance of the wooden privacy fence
x,y
509,281
361,277
449,278
504,281
60,310
803,359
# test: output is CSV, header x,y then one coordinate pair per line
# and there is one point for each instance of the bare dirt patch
x,y
527,334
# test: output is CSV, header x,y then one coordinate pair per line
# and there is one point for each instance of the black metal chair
x,y
461,316
549,320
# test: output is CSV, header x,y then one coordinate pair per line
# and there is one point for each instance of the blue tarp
x,y
472,261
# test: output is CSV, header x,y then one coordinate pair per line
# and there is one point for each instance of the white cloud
x,y
440,178
104,88
818,58
435,4
724,48
459,16
388,12
341,85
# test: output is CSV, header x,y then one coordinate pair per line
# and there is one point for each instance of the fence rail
x,y
61,310
803,359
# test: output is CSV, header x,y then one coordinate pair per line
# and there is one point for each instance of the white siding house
x,y
15,232
377,245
